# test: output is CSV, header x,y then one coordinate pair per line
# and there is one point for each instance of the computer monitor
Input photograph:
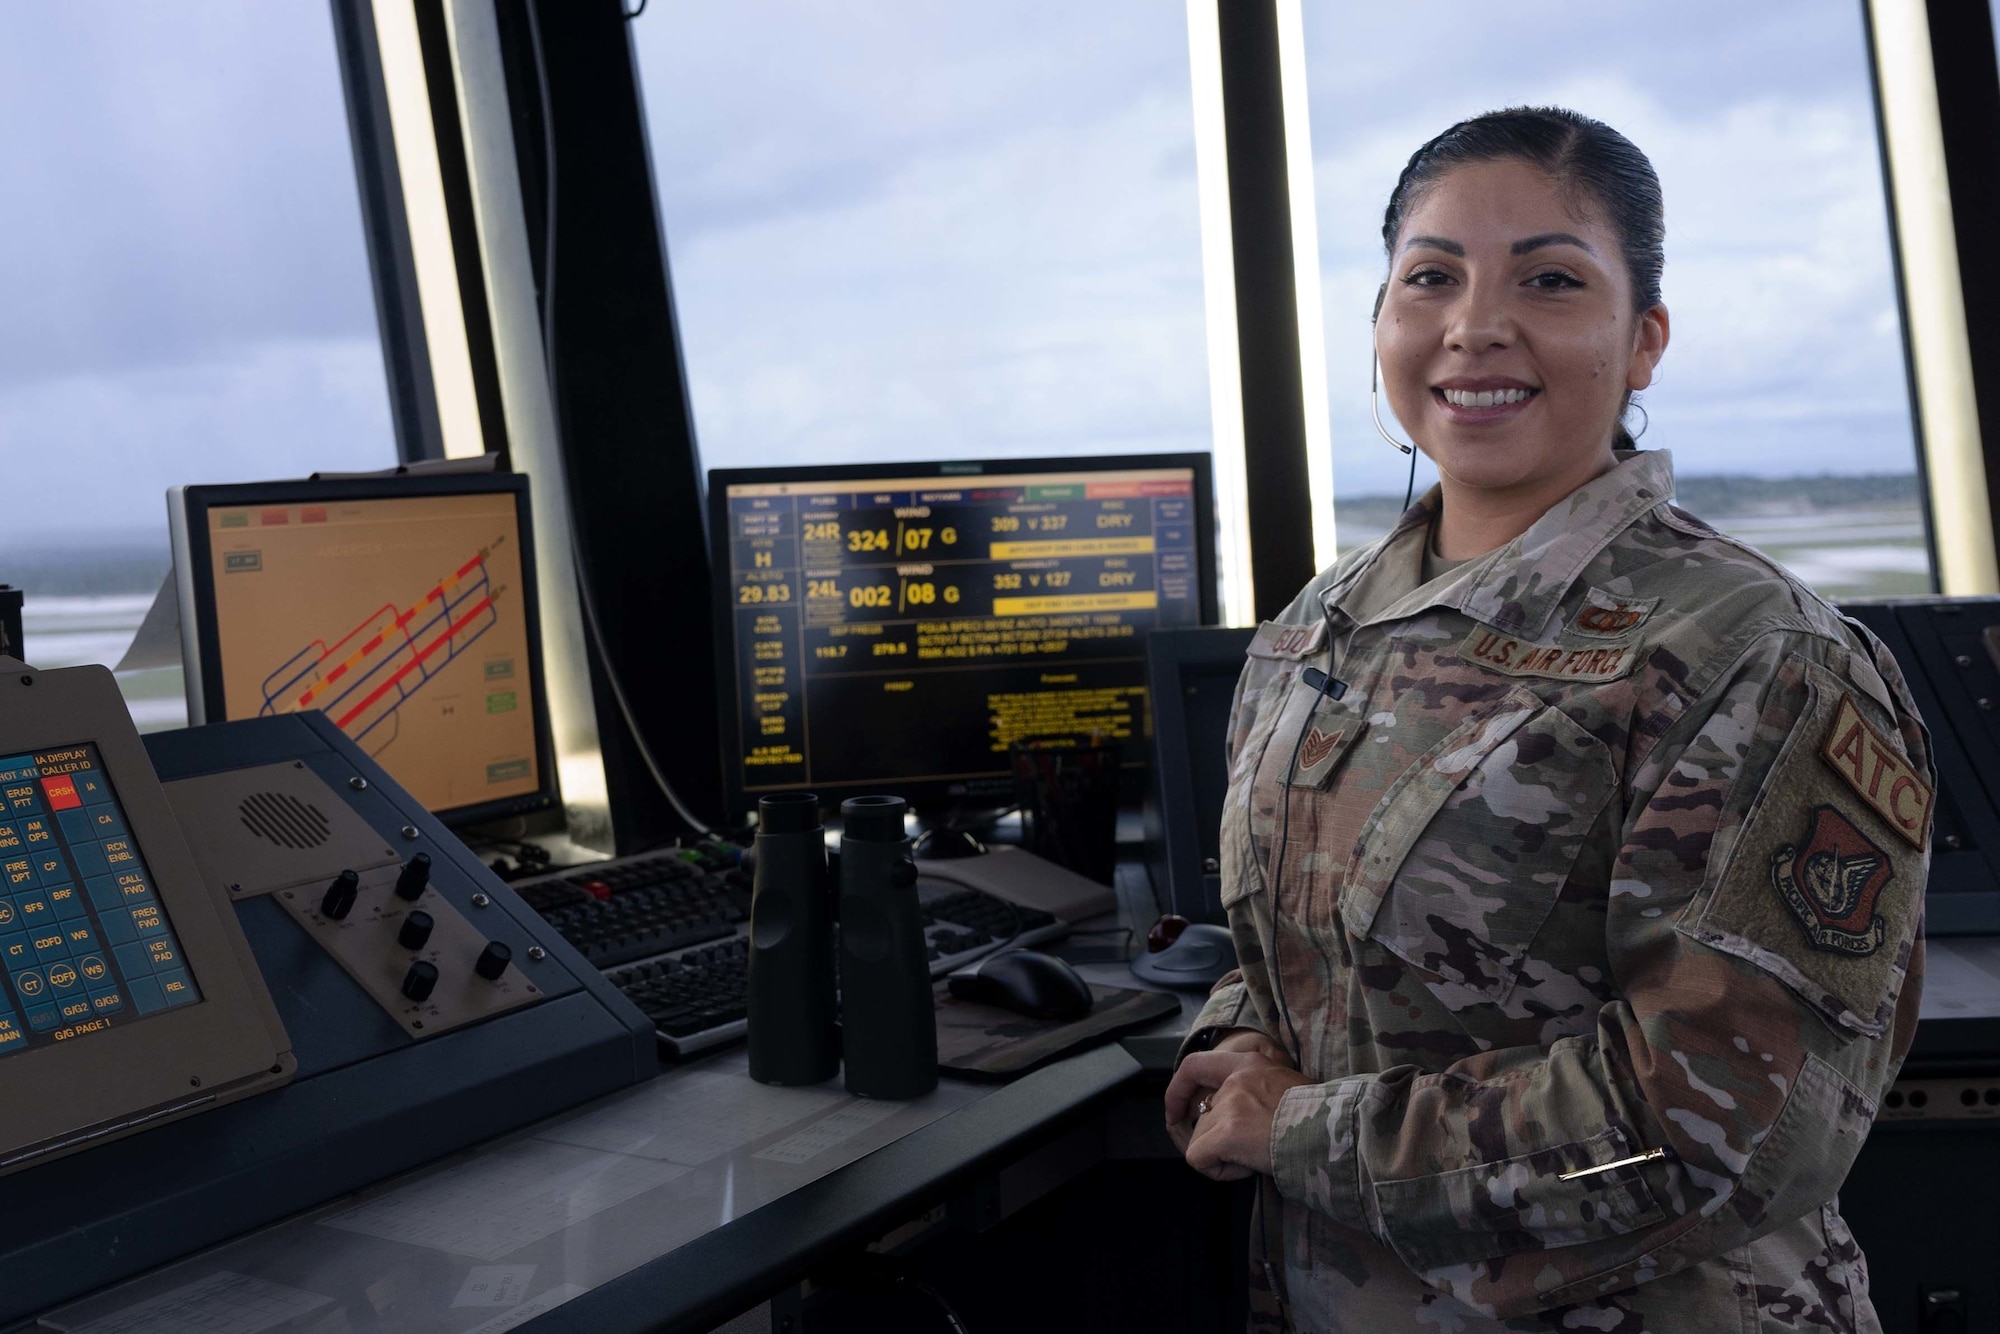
x,y
897,627
402,607
1192,675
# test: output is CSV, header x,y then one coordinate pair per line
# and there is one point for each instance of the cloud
x,y
95,453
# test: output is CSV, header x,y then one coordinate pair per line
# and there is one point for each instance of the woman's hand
x,y
1195,1096
1232,1139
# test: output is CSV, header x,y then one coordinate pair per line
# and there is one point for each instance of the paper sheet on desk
x,y
493,1205
222,1303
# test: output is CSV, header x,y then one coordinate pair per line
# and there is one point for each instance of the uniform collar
x,y
1518,586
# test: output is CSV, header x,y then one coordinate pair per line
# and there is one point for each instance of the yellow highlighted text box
x,y
1081,546
1051,606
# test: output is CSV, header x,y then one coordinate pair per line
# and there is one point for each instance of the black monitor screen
x,y
898,628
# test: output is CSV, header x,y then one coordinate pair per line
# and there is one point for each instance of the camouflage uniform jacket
x,y
1597,903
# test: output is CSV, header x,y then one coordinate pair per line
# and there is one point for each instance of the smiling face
x,y
1508,338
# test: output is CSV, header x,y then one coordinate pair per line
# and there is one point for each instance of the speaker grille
x,y
283,819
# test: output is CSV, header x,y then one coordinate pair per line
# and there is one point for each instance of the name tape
x,y
1287,643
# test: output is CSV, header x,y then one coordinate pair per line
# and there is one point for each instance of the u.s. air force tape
x,y
1521,657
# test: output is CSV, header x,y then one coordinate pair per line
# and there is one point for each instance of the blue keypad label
x,y
85,942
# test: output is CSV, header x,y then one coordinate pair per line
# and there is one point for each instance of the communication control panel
x,y
270,979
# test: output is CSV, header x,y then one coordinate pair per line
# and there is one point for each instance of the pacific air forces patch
x,y
1831,882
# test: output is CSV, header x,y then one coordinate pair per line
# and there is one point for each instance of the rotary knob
x,y
340,896
493,961
420,981
415,879
416,931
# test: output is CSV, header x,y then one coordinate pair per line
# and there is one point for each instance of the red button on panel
x,y
62,793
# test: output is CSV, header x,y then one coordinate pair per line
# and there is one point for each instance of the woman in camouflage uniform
x,y
1574,852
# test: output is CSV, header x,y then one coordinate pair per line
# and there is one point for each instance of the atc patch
x,y
1608,616
1878,774
1832,881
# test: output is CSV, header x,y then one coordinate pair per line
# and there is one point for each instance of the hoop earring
x,y
1375,408
1645,421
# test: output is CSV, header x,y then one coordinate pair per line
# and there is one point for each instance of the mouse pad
x,y
985,1042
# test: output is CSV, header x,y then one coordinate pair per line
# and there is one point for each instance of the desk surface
x,y
647,1208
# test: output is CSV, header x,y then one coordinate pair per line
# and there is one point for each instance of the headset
x,y
1375,399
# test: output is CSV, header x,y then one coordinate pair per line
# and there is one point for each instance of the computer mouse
x,y
1195,961
1039,986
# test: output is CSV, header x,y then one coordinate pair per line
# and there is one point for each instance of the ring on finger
x,y
1201,1109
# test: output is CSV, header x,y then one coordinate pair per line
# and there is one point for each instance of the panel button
x,y
66,901
133,961
63,976
17,951
36,832
31,986
338,901
10,838
416,930
162,953
12,1036
20,799
49,945
117,926
119,854
132,887
89,858
416,878
61,789
42,1016
174,985
147,921
104,895
419,982
77,826
145,994
106,1000
80,938
92,788
49,867
17,874
96,972
71,1008
493,960
10,916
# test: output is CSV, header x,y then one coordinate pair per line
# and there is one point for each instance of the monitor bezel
x,y
201,646
736,797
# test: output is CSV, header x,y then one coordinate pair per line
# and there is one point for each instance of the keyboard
x,y
671,930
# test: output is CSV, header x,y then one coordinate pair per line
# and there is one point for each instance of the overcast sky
x,y
904,229
187,288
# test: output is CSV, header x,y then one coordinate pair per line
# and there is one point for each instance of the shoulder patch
x,y
1830,880
1520,657
1287,643
1878,774
1608,616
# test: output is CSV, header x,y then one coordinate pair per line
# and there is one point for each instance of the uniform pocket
x,y
1469,849
1518,1204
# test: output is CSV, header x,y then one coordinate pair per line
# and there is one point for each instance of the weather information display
x,y
84,939
914,628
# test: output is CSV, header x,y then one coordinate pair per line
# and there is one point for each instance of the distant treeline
x,y
102,567
89,568
1717,495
